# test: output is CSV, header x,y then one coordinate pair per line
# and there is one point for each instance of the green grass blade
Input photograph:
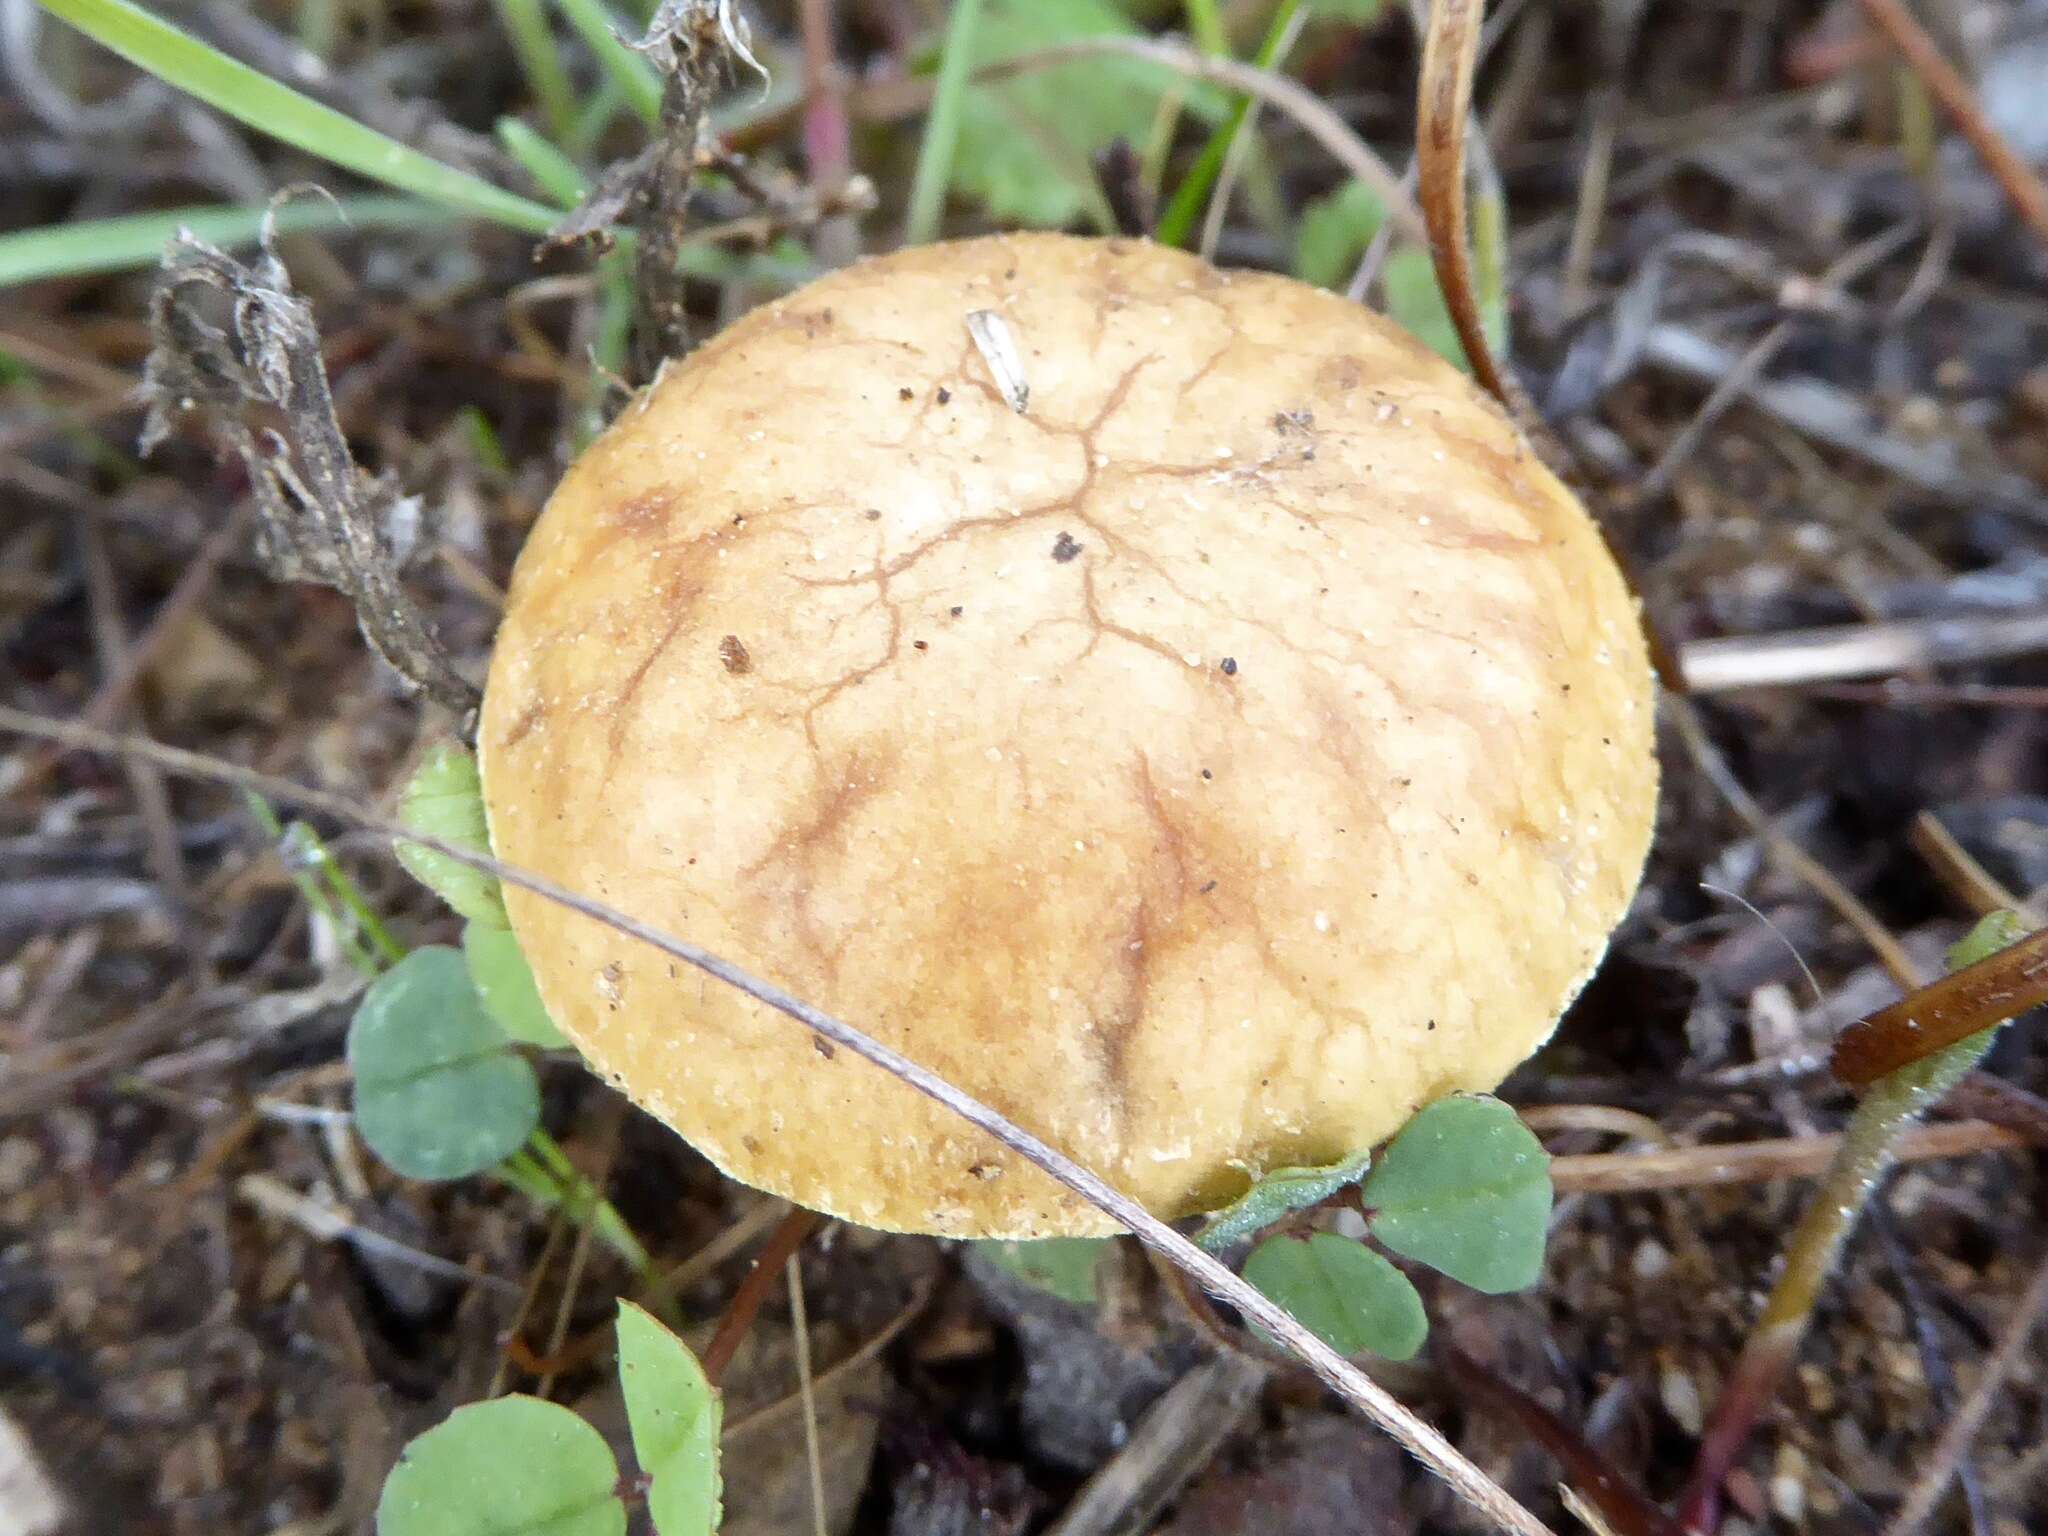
x,y
138,239
1205,25
593,22
260,102
526,24
552,171
543,1174
1185,206
942,127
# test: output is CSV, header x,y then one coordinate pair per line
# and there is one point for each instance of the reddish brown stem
x,y
2021,186
1749,1390
1936,1016
1627,1510
1200,1310
828,142
1450,55
787,1237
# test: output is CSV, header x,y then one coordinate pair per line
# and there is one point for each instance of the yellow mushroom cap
x,y
1241,745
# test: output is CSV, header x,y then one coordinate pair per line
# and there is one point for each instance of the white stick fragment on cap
x,y
992,338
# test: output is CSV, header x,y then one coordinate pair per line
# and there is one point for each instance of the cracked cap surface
x,y
1243,746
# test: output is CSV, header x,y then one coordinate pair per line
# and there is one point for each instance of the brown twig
x,y
1450,55
1796,860
1178,1435
1936,1016
750,1225
515,1351
1595,175
323,519
2022,188
1794,658
110,642
1997,1101
115,689
1757,1162
1959,870
1199,1309
771,1412
684,41
1841,420
1827,289
1549,1119
1625,1508
781,1246
689,43
1419,1438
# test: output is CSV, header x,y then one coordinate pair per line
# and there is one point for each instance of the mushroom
x,y
1171,704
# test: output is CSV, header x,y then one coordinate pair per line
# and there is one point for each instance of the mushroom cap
x,y
1243,745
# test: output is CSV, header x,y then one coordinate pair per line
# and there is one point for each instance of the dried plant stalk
x,y
322,519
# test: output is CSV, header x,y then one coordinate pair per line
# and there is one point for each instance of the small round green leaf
x,y
1414,299
445,799
1465,1189
674,1414
1281,1192
514,1466
1333,233
1341,1291
504,981
1064,1266
440,1093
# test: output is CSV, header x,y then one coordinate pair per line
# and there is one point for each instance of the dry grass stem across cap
x,y
1173,705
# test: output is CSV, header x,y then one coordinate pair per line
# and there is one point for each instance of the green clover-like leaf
x,y
674,1413
1341,1291
1414,299
504,983
440,1093
1280,1193
1026,139
445,799
1465,1189
514,1466
1064,1266
1334,231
